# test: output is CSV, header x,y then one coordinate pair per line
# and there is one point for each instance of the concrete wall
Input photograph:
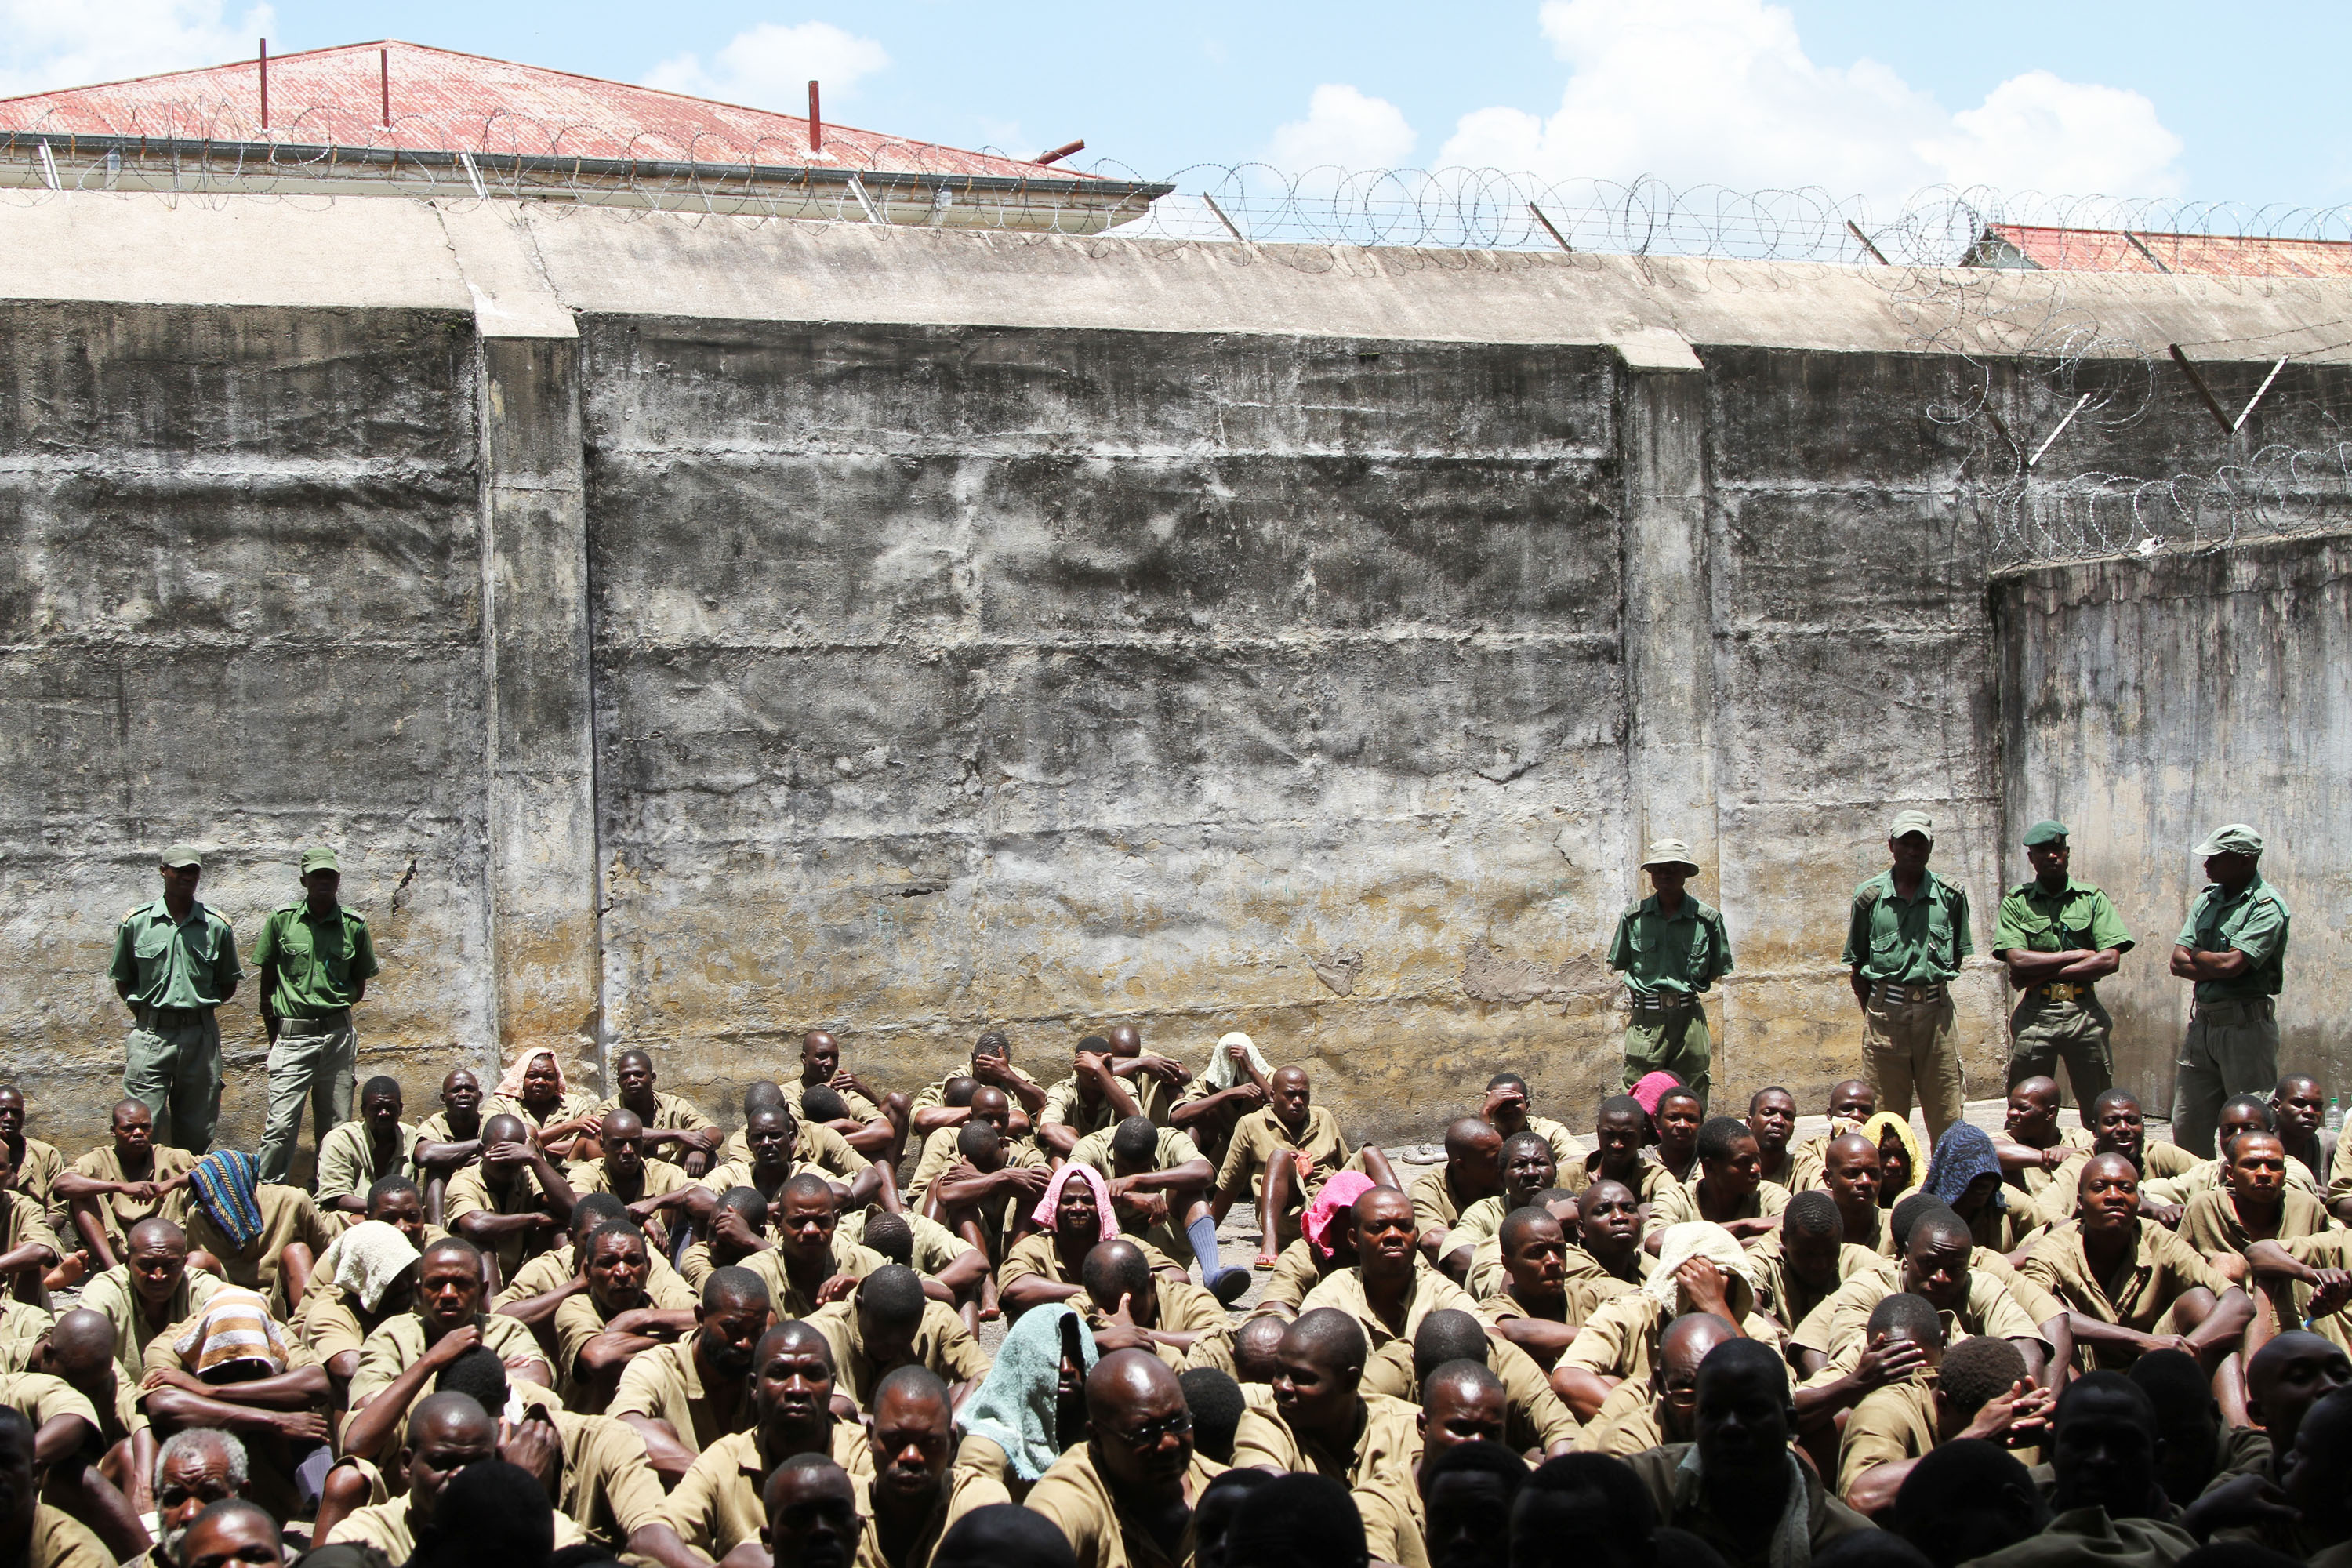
x,y
695,631
2148,702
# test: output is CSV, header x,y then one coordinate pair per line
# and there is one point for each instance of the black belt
x,y
1909,996
316,1024
173,1018
1659,1002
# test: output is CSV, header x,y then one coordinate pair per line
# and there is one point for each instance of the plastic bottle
x,y
2334,1115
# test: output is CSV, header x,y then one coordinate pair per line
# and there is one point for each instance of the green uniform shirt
x,y
320,960
1679,955
175,963
2255,923
2076,918
1909,942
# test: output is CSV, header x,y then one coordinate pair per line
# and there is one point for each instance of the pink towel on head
x,y
1337,1197
510,1086
1044,1213
1653,1088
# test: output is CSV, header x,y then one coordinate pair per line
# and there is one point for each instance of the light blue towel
x,y
1015,1405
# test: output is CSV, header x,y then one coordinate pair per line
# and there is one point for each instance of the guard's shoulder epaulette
x,y
2021,890
1631,910
1868,894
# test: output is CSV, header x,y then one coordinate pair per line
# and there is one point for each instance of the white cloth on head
x,y
1222,1074
368,1257
1703,1238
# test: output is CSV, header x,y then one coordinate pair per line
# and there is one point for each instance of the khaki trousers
x,y
173,1067
2231,1048
1674,1042
313,1060
2042,1033
1907,1047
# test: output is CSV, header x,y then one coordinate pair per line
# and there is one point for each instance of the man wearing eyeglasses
x,y
1125,1498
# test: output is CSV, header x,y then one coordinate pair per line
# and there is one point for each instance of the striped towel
x,y
234,1327
227,1184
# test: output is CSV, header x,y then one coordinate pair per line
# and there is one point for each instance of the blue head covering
x,y
226,1183
1962,1154
1014,1407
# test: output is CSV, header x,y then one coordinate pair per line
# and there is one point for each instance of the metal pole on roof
x,y
265,84
816,123
383,59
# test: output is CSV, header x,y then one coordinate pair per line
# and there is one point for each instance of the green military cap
x,y
180,855
2231,839
2044,832
319,858
1909,822
1670,852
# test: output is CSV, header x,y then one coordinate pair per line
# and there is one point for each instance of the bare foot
x,y
68,1274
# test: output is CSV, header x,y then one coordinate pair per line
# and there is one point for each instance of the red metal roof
x,y
446,101
2202,255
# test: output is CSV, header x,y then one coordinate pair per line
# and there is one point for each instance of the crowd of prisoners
x,y
546,1324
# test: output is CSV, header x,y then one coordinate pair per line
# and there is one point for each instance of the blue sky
x,y
2152,99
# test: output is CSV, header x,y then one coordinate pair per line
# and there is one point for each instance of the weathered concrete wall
x,y
242,606
2148,702
742,627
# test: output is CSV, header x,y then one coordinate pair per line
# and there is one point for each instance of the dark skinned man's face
x,y
1811,1259
1311,1392
156,1269
448,1291
134,1133
625,1152
2110,1197
1539,1263
2256,1171
1741,1423
1772,1116
912,1439
1292,1097
2120,1129
729,1333
382,1113
770,1143
793,1387
1851,1174
1854,1101
636,1078
1619,1136
2050,861
2033,1116
1532,1170
616,1272
805,1225
1452,1414
1736,1176
1609,1220
405,1212
2299,1107
1385,1234
1146,1443
1937,1269
820,1057
461,1094
1678,1122
443,1447
1909,853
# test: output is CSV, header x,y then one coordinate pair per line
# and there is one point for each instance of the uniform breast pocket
x,y
1639,938
152,943
2036,931
1886,935
1939,923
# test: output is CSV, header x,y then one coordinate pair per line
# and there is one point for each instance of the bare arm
x,y
669,1458
2190,965
664,1547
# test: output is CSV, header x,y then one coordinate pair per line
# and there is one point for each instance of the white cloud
x,y
50,44
1346,129
1722,91
770,65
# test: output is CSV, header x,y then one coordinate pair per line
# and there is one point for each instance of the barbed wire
x,y
1946,260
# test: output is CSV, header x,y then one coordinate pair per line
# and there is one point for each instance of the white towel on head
x,y
1703,1238
368,1257
1222,1074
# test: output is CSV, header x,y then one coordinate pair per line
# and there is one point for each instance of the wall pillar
x,y
1669,616
545,945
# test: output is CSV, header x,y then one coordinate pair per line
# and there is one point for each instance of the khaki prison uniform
x,y
579,1320
1035,1254
1076,1498
716,1505
1587,1279
1678,1203
22,1324
117,1212
936,1247
2139,1296
1428,1292
1680,1502
671,1114
1298,1270
609,1489
386,1527
962,1490
1175,1147
938,1156
1634,1417
1381,1461
860,1109
789,1300
569,1106
2088,1536
1891,1424
1840,1327
1620,1339
1318,1145
1649,1178
1534,1416
1065,1108
60,1541
1184,1309
663,1385
558,1267
398,1343
2206,1176
1788,1300
469,1190
114,1294
2322,1249
941,1343
346,1162
288,1215
2211,1222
